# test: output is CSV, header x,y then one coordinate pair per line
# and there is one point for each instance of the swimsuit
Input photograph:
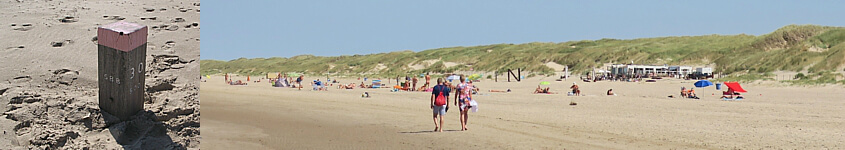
x,y
465,90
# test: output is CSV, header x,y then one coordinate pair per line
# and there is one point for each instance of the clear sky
x,y
279,28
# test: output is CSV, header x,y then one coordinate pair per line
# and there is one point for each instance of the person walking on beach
x,y
439,103
414,84
462,98
575,89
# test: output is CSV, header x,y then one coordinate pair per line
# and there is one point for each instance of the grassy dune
x,y
817,51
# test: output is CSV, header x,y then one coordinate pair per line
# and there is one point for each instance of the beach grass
x,y
797,48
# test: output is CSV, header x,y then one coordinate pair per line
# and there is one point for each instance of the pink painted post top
x,y
122,35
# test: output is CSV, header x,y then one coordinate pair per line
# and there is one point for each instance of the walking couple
x,y
440,97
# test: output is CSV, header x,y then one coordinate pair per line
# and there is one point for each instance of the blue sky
x,y
253,29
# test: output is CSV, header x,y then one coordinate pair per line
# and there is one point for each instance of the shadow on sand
x,y
142,131
427,131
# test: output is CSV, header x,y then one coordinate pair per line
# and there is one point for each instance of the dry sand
x,y
258,116
48,84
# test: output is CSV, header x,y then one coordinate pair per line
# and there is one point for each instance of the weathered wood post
x,y
122,48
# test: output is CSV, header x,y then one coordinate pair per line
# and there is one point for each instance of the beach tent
x,y
376,84
702,83
278,83
735,87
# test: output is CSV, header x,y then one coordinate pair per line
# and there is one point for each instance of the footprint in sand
x,y
59,44
115,17
16,47
172,27
177,19
22,27
168,46
68,19
195,24
64,76
149,9
149,18
167,27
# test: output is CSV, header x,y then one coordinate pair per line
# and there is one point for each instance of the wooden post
x,y
496,73
566,72
122,48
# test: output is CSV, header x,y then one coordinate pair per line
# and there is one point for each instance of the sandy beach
x,y
49,80
258,116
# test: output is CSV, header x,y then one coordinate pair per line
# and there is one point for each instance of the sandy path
x,y
259,116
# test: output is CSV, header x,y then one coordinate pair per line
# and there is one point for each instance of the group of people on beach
x,y
463,100
287,81
688,93
410,84
229,81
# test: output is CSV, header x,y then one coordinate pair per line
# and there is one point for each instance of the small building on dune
x,y
635,70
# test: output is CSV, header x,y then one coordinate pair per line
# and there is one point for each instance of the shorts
x,y
439,110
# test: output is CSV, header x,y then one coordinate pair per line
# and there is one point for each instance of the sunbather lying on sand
x,y
500,91
542,90
239,82
730,94
349,86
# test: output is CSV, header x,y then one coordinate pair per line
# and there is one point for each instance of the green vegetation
x,y
799,48
824,77
747,77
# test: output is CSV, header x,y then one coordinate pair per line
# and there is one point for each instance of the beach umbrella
x,y
545,83
474,77
703,83
453,78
